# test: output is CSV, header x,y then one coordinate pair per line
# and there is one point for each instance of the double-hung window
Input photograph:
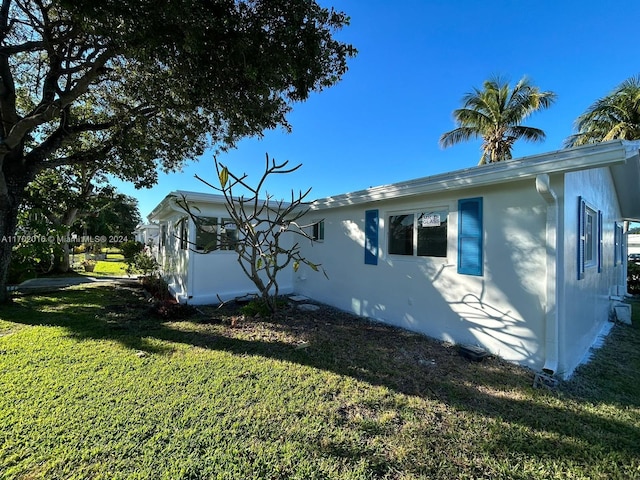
x,y
589,237
184,233
206,234
590,234
213,233
419,233
228,234
317,231
618,251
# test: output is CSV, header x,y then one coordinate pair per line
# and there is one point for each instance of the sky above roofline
x,y
382,122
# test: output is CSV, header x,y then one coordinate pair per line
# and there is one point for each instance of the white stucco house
x,y
525,258
199,262
147,233
633,243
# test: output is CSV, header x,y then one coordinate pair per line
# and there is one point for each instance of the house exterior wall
x,y
587,301
501,310
200,278
633,243
172,259
147,234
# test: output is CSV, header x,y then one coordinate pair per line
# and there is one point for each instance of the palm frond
x,y
495,114
458,135
530,134
617,115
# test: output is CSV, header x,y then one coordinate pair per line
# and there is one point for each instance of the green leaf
x,y
296,266
313,266
223,176
259,264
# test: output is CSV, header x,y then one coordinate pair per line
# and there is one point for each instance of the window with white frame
x,y
163,234
618,240
215,234
228,234
206,234
590,233
317,231
184,233
589,237
419,233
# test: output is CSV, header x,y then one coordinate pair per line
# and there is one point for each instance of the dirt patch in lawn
x,y
381,354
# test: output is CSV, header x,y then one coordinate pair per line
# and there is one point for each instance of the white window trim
x,y
416,212
320,225
590,212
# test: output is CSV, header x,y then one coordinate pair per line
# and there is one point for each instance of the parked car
x,y
634,258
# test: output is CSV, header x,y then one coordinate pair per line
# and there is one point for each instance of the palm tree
x,y
615,116
495,114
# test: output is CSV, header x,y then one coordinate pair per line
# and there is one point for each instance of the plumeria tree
x,y
269,231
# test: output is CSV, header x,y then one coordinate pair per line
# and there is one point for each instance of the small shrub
x,y
143,263
157,287
131,248
633,278
259,307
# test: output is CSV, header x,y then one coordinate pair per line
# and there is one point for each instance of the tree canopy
x,y
495,113
615,116
132,85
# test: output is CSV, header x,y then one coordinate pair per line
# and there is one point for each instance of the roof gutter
x,y
543,187
567,160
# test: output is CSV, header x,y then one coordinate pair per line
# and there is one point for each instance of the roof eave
x,y
567,160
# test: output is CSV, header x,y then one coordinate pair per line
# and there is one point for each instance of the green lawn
x,y
109,267
114,267
93,386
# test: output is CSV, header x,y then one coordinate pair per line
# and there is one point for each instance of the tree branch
x,y
43,114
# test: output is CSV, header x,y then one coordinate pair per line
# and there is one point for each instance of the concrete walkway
x,y
55,283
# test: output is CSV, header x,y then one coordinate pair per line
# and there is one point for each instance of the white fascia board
x,y
168,206
567,160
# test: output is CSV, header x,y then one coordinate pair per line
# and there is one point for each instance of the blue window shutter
x,y
581,237
599,241
616,244
470,236
371,237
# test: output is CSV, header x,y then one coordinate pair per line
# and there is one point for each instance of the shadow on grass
x,y
402,361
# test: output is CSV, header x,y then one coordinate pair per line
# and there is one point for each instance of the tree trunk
x,y
9,204
67,220
65,263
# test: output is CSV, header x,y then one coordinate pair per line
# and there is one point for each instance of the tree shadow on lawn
x,y
338,342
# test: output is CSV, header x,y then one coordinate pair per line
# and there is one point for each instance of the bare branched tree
x,y
262,223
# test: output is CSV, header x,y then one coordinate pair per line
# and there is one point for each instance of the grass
x,y
109,267
93,386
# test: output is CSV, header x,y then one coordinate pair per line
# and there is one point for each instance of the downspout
x,y
551,308
191,267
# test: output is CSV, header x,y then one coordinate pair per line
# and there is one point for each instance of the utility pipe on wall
x,y
543,187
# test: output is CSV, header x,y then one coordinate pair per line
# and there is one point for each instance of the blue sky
x,y
382,122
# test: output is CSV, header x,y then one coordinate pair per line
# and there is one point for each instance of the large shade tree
x,y
131,85
495,114
615,116
76,199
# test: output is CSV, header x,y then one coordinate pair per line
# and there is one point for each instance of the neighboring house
x,y
525,258
199,262
147,234
633,243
